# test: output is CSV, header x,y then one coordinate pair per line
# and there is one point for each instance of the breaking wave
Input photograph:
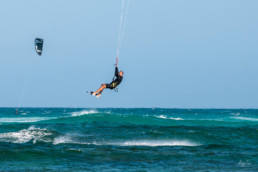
x,y
26,135
63,139
154,143
148,143
164,117
246,118
84,112
37,119
34,135
25,119
127,117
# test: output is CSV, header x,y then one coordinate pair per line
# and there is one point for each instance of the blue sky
x,y
175,54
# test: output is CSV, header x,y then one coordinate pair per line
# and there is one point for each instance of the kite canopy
x,y
39,45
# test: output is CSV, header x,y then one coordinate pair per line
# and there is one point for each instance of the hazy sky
x,y
175,54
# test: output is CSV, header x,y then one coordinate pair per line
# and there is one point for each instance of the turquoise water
x,y
75,139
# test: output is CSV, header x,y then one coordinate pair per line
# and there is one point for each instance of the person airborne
x,y
112,85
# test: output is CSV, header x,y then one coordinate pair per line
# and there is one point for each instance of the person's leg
x,y
100,92
103,86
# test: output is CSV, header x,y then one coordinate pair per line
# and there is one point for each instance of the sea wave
x,y
37,119
34,135
165,117
84,112
69,139
135,118
26,135
25,119
148,143
154,143
246,118
63,139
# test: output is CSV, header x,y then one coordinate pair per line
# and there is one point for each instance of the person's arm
x,y
116,71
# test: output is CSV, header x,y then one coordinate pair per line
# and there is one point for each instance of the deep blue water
x,y
74,139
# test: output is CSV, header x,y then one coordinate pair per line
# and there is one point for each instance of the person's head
x,y
121,73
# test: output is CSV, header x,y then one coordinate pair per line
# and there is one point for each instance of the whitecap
x,y
63,139
164,117
25,119
161,116
176,118
84,112
149,143
69,140
246,118
26,135
153,143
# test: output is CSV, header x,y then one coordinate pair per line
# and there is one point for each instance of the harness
x,y
114,85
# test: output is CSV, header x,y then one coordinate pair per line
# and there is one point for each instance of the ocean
x,y
81,139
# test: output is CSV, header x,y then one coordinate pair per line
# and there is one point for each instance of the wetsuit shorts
x,y
111,86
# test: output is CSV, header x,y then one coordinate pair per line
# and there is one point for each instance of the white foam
x,y
32,127
164,117
68,139
26,135
62,139
161,116
176,118
157,143
25,119
149,143
84,112
246,118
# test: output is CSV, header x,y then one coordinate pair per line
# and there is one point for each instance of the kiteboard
x,y
90,93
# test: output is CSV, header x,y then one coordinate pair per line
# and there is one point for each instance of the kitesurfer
x,y
112,85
